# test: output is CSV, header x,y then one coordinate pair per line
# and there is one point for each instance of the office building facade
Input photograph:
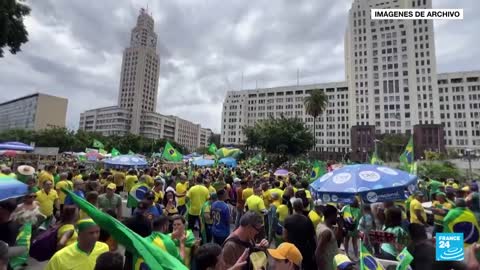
x,y
137,97
33,112
391,86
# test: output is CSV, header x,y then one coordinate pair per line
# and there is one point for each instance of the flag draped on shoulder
x,y
153,256
462,220
367,261
171,154
212,149
98,144
319,169
406,158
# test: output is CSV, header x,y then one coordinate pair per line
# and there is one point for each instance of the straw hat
x,y
26,170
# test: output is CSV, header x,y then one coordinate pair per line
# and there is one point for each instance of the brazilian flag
x,y
317,170
462,220
406,158
367,261
162,241
136,194
98,144
171,154
23,240
228,152
189,243
153,256
114,152
404,259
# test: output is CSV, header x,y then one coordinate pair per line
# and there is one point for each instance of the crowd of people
x,y
232,218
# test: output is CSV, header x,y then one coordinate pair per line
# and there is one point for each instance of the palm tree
x,y
315,104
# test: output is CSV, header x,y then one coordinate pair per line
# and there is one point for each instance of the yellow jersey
x,y
72,258
197,195
416,205
255,204
66,184
44,176
181,189
46,201
65,228
247,193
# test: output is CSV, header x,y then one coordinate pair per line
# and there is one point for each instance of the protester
x,y
417,212
130,180
197,196
440,208
206,218
119,180
326,242
111,201
67,233
298,230
221,218
181,193
170,204
47,199
243,238
29,211
109,261
316,215
393,225
83,254
78,189
63,183
240,205
183,239
365,225
46,175
285,257
158,190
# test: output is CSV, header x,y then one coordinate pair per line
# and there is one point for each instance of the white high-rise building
x,y
137,97
391,68
140,72
391,86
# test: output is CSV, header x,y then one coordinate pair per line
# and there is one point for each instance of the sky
x,y
75,49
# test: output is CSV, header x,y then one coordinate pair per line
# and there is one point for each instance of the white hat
x,y
236,180
26,170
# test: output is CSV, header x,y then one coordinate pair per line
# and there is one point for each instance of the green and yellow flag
x,y
114,152
462,220
171,154
367,261
375,160
212,149
102,151
406,158
404,259
228,152
319,169
153,256
98,144
23,240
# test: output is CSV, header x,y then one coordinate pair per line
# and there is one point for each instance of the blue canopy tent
x,y
229,162
17,146
201,162
125,161
11,188
373,183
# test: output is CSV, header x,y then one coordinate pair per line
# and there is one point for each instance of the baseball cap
x,y
112,186
236,180
287,251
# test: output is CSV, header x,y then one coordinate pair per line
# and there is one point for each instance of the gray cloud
x,y
205,46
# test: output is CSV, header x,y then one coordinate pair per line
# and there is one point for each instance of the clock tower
x,y
140,72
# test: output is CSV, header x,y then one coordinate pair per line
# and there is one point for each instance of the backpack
x,y
45,245
257,258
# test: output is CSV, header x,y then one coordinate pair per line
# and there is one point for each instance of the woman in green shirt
x,y
393,225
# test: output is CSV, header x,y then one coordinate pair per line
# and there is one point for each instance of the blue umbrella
x,y
126,160
203,162
18,146
11,188
374,183
229,162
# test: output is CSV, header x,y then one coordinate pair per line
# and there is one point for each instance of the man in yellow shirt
x,y
46,174
181,192
81,255
255,204
316,214
276,188
48,201
119,180
417,212
63,183
148,178
248,191
130,180
209,186
197,196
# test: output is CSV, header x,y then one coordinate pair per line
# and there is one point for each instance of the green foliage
x,y
284,136
430,155
214,138
12,29
439,169
77,141
391,146
315,104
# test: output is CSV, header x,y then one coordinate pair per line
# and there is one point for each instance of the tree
x,y
283,136
439,170
214,138
315,104
12,29
391,146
